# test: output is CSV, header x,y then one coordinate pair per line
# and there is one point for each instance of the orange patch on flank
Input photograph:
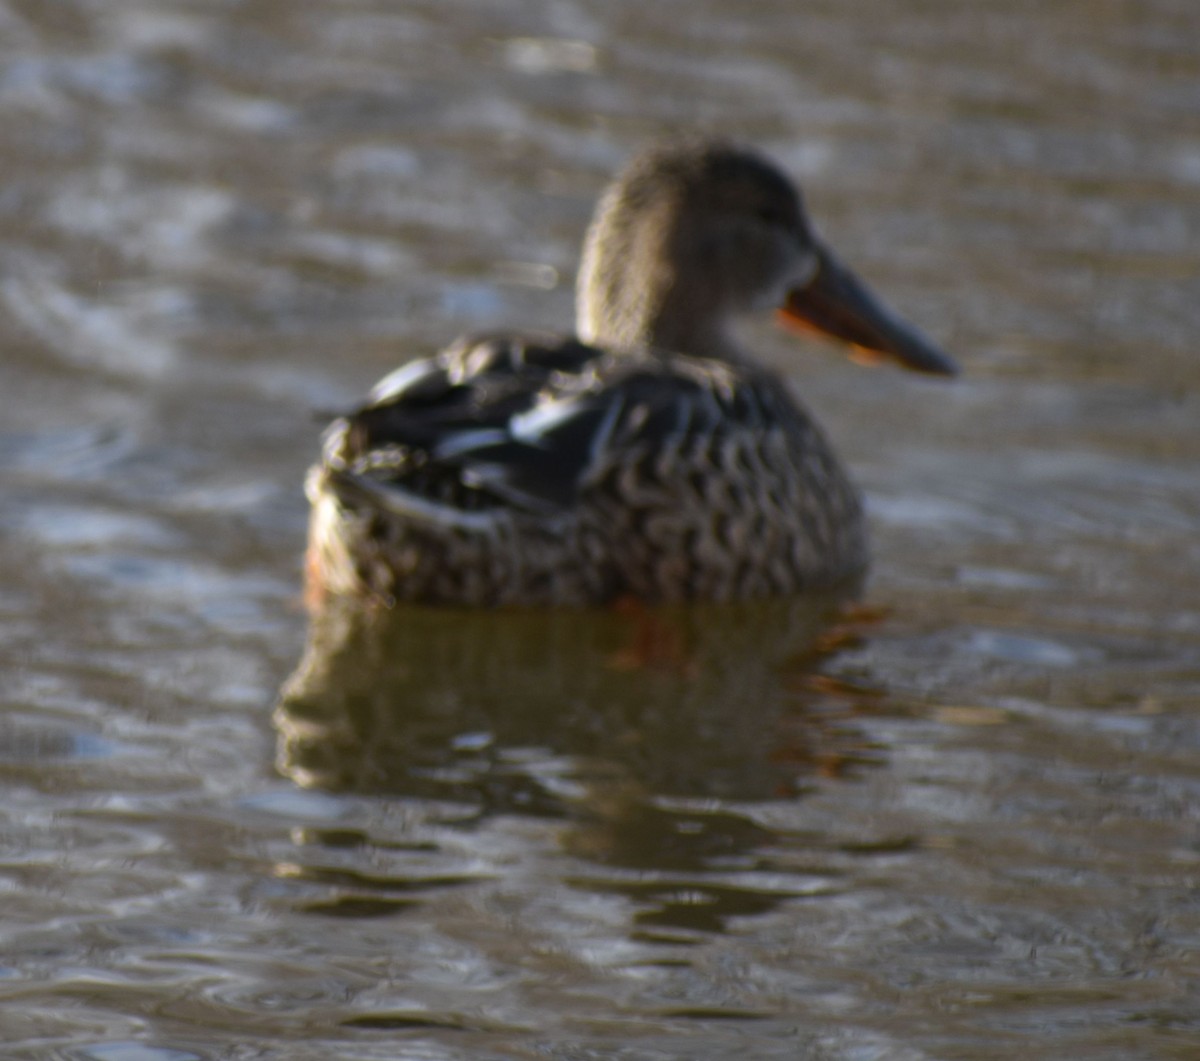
x,y
314,579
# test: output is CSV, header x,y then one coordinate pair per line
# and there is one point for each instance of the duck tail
x,y
393,501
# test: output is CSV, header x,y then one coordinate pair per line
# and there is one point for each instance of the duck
x,y
648,456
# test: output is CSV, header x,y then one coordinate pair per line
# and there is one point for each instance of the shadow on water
x,y
641,731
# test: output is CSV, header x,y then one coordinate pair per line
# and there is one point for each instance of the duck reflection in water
x,y
561,714
644,763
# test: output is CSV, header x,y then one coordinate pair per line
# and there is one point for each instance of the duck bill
x,y
836,303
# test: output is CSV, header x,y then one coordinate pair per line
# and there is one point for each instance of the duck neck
x,y
628,325
633,292
680,327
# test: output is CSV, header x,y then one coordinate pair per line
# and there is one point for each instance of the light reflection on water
x,y
962,828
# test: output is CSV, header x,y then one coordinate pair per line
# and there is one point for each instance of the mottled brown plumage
x,y
650,457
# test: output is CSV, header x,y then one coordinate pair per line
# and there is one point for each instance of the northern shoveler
x,y
648,457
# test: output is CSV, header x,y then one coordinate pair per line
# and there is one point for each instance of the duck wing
x,y
526,423
415,435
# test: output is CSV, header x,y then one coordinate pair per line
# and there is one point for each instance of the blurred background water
x,y
965,827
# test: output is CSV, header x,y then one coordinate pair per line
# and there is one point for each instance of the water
x,y
961,823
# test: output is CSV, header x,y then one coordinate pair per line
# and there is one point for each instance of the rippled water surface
x,y
961,822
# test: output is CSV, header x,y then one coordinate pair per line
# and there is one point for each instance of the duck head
x,y
692,236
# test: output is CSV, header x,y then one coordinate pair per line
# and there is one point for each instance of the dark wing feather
x,y
443,427
479,382
520,422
